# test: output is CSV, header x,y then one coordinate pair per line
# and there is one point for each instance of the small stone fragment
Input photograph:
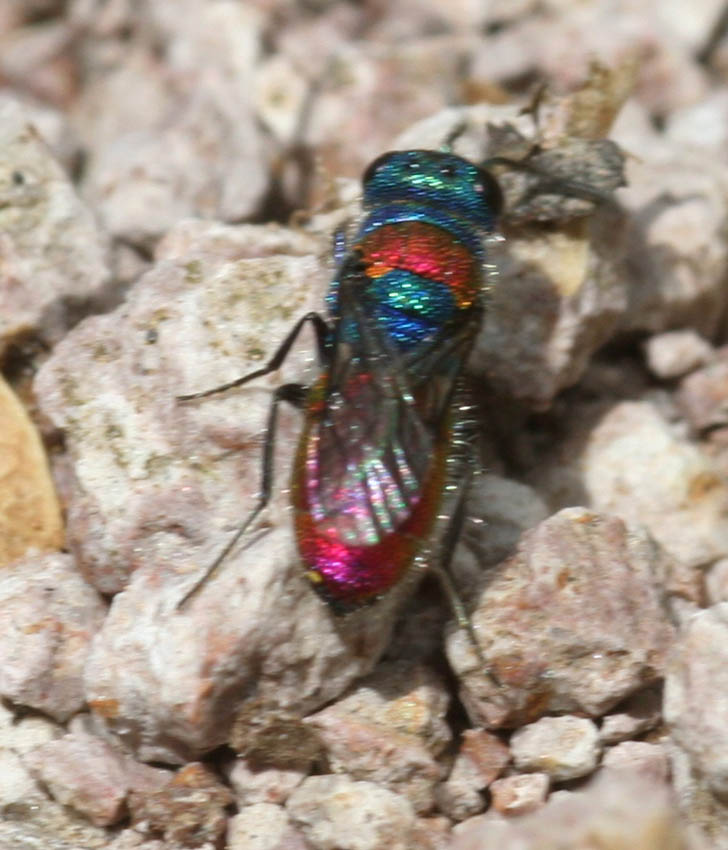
x,y
627,459
389,731
85,773
53,251
696,695
481,759
649,760
263,826
432,833
703,395
675,353
675,258
189,810
253,784
16,783
519,794
562,747
716,582
39,823
640,712
26,733
337,813
573,622
48,616
269,737
617,811
30,515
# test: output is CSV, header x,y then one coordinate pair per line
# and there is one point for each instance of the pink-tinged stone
x,y
563,748
48,616
675,353
263,826
519,794
17,785
703,395
481,759
25,733
188,810
716,582
389,730
191,323
253,784
630,460
648,760
192,147
639,713
674,255
432,833
696,695
53,251
37,59
91,776
337,813
574,622
617,811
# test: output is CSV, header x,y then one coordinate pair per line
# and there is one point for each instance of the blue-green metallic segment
x,y
409,307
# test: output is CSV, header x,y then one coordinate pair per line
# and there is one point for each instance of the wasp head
x,y
437,180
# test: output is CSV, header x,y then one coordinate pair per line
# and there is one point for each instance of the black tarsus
x,y
441,569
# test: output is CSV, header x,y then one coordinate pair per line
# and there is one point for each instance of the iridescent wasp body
x,y
383,440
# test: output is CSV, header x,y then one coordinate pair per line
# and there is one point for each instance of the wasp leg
x,y
441,569
322,332
294,394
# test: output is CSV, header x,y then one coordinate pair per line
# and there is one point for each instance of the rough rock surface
x,y
337,812
703,395
91,776
482,757
629,460
695,695
564,747
389,730
188,809
649,760
519,794
189,151
639,713
54,255
574,621
263,826
616,812
252,784
48,616
675,353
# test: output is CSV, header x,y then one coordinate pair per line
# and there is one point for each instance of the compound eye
x,y
448,171
377,165
490,191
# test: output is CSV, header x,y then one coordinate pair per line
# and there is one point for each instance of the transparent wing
x,y
371,452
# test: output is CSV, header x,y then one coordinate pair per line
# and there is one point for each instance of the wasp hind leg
x,y
441,569
293,394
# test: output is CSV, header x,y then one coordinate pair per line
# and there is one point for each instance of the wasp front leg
x,y
323,334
